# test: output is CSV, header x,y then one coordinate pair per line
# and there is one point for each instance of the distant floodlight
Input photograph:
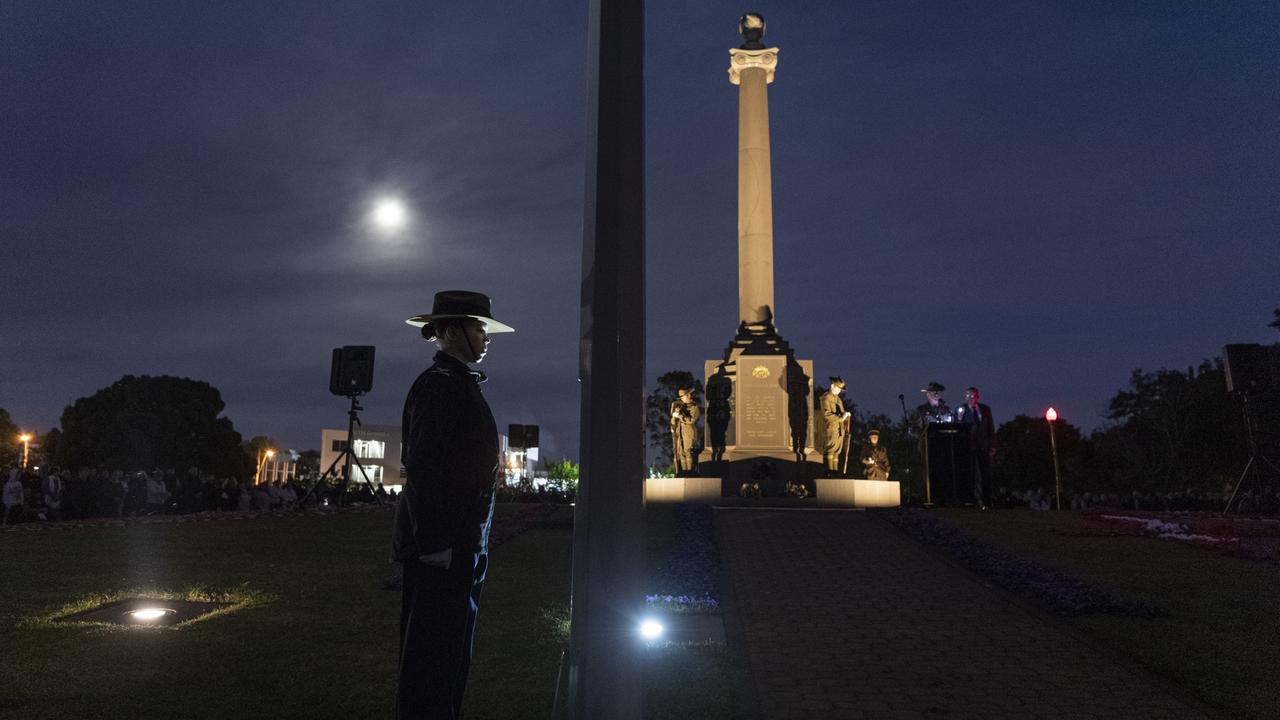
x,y
149,614
1051,415
651,629
389,214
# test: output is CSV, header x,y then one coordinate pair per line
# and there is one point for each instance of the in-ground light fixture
x,y
146,612
651,629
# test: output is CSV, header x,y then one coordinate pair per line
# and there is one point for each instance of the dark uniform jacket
x,y
451,457
926,413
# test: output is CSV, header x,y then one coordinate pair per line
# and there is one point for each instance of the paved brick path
x,y
842,616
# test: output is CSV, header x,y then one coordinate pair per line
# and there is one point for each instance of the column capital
x,y
740,60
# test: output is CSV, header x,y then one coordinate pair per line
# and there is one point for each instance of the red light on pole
x,y
1052,416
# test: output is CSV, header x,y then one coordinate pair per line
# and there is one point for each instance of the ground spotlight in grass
x,y
651,629
146,612
149,608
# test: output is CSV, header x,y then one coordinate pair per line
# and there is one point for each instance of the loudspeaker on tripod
x,y
515,437
1251,369
352,370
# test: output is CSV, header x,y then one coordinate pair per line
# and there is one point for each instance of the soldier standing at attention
x,y
451,461
836,419
684,430
875,459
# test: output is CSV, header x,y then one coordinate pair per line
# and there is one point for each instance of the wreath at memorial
x,y
796,490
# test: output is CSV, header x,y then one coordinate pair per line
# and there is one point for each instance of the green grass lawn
x,y
1221,635
319,643
317,637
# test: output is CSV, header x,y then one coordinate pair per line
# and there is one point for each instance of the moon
x,y
389,214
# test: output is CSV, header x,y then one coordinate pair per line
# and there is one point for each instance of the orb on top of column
x,y
751,28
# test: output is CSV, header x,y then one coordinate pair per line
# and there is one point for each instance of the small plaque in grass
x,y
146,612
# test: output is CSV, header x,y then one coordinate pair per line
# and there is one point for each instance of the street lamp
x,y
26,441
1051,416
263,456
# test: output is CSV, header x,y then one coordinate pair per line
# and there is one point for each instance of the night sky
x,y
1034,198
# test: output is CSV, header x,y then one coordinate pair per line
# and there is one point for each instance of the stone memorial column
x,y
751,68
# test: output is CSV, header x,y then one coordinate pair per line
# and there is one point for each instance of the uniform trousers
x,y
437,627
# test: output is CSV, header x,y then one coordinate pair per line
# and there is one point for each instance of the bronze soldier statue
x,y
684,430
875,459
836,419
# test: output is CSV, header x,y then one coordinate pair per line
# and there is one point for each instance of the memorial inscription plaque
x,y
762,418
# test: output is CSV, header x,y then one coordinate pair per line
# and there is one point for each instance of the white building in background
x,y
376,448
520,465
280,467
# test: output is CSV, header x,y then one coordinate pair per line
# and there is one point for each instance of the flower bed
x,y
1253,538
1059,592
690,582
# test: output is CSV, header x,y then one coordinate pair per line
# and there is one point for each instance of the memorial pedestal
x,y
659,491
854,492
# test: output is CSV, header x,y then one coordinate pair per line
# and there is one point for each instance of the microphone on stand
x,y
908,497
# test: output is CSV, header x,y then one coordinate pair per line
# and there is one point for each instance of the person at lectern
x,y
451,461
982,436
684,430
934,409
875,458
836,419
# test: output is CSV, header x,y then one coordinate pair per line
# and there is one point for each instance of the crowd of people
x,y
52,494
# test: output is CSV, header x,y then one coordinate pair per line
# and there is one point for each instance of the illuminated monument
x,y
759,396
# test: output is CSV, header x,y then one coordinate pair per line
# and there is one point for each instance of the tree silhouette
x,y
1025,458
145,422
9,443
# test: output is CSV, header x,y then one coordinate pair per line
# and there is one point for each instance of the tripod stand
x,y
1252,438
353,419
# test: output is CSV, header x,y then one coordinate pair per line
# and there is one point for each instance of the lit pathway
x,y
842,616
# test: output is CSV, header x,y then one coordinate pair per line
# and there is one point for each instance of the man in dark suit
x,y
982,435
